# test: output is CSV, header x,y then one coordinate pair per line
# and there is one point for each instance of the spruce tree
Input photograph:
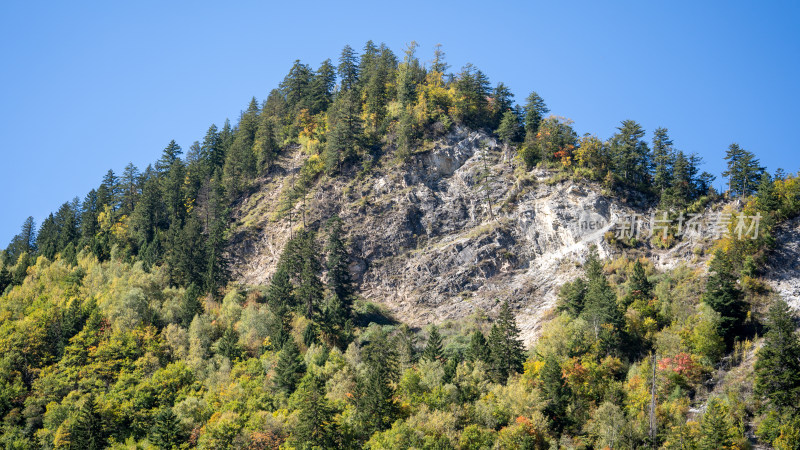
x,y
715,428
478,348
315,424
777,370
339,279
506,348
290,367
535,110
87,431
375,406
639,284
743,172
165,432
309,292
556,392
509,130
724,297
663,157
433,349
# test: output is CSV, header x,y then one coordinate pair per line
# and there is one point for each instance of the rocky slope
x,y
453,232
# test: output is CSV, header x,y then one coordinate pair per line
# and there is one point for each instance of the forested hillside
x,y
136,318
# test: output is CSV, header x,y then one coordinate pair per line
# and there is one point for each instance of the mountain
x,y
385,255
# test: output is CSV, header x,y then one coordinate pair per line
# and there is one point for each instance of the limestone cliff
x,y
424,241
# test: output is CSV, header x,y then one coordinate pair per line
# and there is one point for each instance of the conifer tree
x,y
506,348
630,153
663,158
290,367
375,407
309,291
535,110
339,279
509,130
715,428
724,297
348,69
744,171
639,284
777,370
433,349
315,424
87,431
165,432
556,391
478,348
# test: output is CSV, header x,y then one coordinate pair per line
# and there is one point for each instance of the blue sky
x,y
85,86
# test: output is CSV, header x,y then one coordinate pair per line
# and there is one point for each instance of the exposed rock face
x,y
783,270
425,243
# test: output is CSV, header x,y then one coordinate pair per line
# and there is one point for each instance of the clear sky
x,y
88,86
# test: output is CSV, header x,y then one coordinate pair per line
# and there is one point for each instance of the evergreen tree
x,y
290,367
572,297
715,428
663,159
509,130
744,171
433,349
375,407
309,291
212,148
25,241
228,345
296,86
110,189
639,284
777,370
171,153
409,75
5,279
478,348
600,303
280,298
506,348
767,198
348,69
724,297
315,424
165,432
556,392
345,127
472,89
129,187
322,86
630,153
339,280
87,431
535,110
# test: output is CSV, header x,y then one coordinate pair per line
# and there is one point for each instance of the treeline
x,y
345,117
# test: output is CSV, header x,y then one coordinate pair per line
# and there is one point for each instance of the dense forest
x,y
123,328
